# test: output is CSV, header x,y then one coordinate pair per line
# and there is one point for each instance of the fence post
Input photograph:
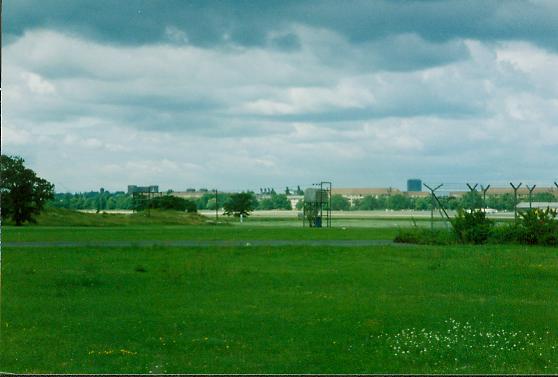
x,y
473,190
530,194
484,191
515,188
432,190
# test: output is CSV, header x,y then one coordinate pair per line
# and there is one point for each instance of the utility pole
x,y
530,195
329,201
484,191
515,188
432,190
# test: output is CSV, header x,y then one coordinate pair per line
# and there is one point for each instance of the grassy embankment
x,y
63,225
64,217
383,309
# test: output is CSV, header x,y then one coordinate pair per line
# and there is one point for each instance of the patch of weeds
x,y
78,281
472,227
458,346
140,268
421,236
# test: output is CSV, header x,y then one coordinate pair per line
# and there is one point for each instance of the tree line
x,y
105,200
505,202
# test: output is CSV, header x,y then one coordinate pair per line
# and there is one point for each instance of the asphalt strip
x,y
201,243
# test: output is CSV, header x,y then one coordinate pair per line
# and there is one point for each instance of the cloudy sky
x,y
249,94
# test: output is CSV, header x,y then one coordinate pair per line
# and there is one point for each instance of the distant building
x,y
188,194
294,199
523,191
414,185
353,194
133,189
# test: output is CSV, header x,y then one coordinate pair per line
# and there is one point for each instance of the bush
x,y
535,227
504,234
472,227
538,226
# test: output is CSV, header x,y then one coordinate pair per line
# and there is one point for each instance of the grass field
x,y
282,309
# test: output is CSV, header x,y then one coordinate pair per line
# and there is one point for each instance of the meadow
x,y
273,309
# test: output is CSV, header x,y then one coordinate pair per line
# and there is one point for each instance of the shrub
x,y
472,227
535,227
538,226
504,234
423,236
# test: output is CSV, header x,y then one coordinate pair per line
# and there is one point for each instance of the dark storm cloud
x,y
248,23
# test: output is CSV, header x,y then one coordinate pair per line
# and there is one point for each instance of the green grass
x,y
489,309
202,232
64,217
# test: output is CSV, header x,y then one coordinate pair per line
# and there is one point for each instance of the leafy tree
x,y
240,204
340,203
422,204
544,197
472,200
275,201
281,202
367,203
265,204
398,202
207,201
23,193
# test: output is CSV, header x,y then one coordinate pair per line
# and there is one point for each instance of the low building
x,y
522,191
353,194
133,189
192,195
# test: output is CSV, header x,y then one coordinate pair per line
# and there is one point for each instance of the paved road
x,y
197,243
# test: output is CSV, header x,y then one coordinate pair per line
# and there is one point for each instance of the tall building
x,y
414,185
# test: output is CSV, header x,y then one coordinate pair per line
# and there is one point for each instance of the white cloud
x,y
37,84
91,115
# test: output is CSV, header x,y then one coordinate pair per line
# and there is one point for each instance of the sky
x,y
240,95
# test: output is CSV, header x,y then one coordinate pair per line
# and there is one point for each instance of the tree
x,y
281,201
367,203
398,202
170,202
23,193
240,204
472,200
340,203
